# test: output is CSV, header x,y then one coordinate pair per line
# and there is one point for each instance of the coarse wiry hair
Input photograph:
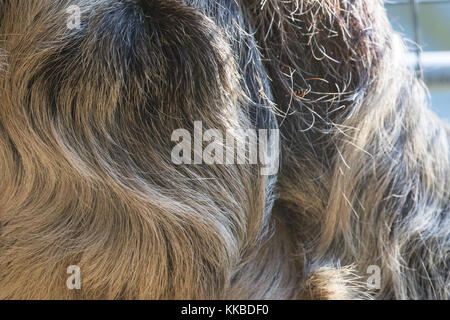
x,y
86,176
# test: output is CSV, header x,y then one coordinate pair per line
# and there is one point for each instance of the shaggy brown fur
x,y
86,177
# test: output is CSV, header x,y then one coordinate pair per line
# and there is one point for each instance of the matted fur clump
x,y
87,179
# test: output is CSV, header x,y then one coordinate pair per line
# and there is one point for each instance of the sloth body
x,y
86,176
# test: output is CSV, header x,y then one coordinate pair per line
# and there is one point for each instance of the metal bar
x,y
415,15
436,68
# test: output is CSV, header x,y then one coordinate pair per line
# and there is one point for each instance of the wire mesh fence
x,y
433,67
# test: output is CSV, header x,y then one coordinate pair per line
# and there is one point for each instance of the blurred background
x,y
427,23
